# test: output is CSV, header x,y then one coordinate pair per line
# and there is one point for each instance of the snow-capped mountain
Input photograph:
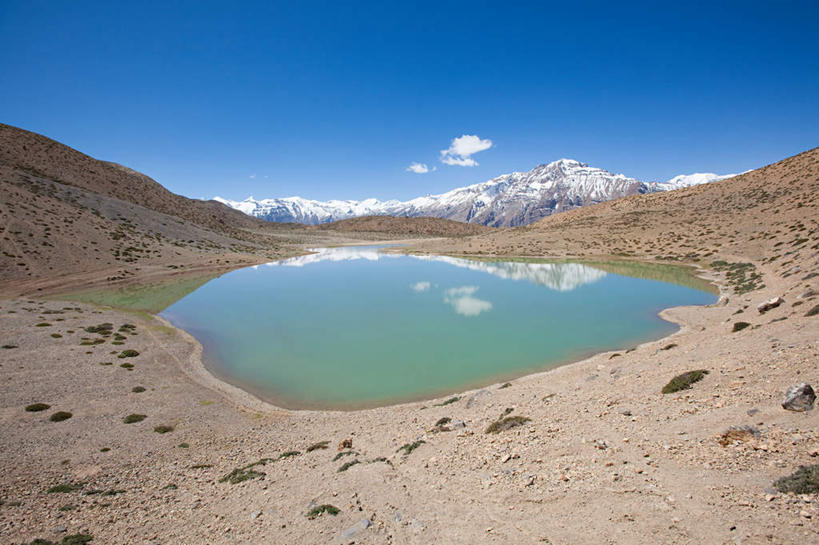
x,y
512,199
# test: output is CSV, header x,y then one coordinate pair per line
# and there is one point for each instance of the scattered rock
x,y
362,524
458,424
477,398
255,514
60,529
345,444
765,306
799,398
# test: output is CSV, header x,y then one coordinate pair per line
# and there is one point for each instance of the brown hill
x,y
394,226
43,157
65,215
769,216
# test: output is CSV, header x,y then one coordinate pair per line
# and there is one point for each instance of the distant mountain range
x,y
509,200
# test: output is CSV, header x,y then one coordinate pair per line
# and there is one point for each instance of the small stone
x,y
765,306
806,514
255,514
362,524
60,529
458,424
506,458
799,398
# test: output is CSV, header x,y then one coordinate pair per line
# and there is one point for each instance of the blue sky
x,y
337,100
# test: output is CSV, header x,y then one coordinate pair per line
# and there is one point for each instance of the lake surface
x,y
353,327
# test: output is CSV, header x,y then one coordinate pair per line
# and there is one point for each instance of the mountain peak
x,y
509,200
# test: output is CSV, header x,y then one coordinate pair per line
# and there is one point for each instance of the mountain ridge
x,y
508,200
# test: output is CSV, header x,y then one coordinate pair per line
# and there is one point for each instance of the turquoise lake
x,y
352,327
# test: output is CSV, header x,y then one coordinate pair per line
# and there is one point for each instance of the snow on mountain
x,y
687,180
512,199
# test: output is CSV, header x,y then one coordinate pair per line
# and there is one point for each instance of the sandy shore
x,y
605,458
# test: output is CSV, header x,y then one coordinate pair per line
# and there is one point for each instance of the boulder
x,y
362,524
799,398
765,306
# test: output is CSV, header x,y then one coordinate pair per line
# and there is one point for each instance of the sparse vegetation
x,y
245,473
138,389
507,423
321,509
343,453
409,447
804,480
59,416
684,381
289,454
739,326
504,385
163,429
37,407
64,488
669,346
813,312
134,418
450,401
73,539
128,354
344,467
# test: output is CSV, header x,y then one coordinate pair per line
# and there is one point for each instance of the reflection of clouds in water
x,y
421,286
464,304
348,253
557,276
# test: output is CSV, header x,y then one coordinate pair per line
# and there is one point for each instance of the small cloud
x,y
418,168
252,176
421,286
461,149
464,304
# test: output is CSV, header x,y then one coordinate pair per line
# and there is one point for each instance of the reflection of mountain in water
x,y
557,276
344,253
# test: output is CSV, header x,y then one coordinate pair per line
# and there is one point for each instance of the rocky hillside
x,y
512,199
402,226
63,214
769,215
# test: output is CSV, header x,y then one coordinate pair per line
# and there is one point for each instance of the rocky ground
x,y
604,456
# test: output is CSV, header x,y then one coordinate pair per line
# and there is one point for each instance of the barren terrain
x,y
157,451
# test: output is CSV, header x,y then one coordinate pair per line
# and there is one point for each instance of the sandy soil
x,y
605,457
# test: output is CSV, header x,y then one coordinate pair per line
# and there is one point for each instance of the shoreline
x,y
603,451
247,399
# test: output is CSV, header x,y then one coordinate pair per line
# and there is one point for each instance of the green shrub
x,y
506,423
289,454
64,488
134,418
37,407
684,381
128,354
59,416
409,447
138,389
326,508
739,326
348,465
163,429
804,480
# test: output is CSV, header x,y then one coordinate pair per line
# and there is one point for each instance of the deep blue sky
x,y
335,100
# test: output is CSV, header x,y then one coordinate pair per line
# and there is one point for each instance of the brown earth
x,y
604,458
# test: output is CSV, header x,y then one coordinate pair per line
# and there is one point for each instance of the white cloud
x,y
464,304
461,149
421,286
252,176
418,168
